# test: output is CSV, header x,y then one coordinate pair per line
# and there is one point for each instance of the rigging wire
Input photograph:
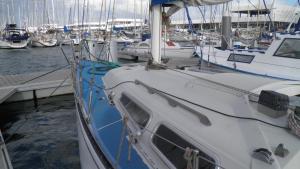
x,y
189,18
272,24
253,4
202,14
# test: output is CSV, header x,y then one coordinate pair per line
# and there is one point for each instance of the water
x,y
18,61
43,138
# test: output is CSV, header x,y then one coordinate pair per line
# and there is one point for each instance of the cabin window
x,y
240,58
162,140
289,48
136,112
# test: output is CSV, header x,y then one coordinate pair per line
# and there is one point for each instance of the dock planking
x,y
42,84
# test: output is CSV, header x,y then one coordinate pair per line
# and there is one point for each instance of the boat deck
x,y
34,85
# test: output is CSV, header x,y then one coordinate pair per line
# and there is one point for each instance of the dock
x,y
5,162
24,87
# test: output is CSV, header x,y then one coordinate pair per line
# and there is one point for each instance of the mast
x,y
134,9
141,21
53,13
70,16
78,16
13,11
19,17
226,27
28,15
64,9
88,15
74,14
44,12
100,19
156,33
8,14
3,16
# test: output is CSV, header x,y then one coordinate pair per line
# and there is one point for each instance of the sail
x,y
189,2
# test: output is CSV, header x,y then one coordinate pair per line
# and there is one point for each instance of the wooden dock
x,y
35,85
5,162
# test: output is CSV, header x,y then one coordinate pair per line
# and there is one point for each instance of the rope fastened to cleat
x,y
294,122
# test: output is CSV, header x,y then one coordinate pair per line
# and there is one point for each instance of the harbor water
x,y
44,137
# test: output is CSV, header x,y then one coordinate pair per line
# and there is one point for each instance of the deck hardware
x,y
101,98
174,103
294,122
111,96
263,154
281,151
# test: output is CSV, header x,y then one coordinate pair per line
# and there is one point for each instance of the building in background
x,y
244,15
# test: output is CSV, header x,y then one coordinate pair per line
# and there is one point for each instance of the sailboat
x,y
281,60
13,37
170,49
140,117
44,37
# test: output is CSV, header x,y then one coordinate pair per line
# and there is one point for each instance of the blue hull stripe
x,y
103,113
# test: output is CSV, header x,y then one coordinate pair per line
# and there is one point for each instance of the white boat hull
x,y
12,45
144,53
262,65
88,156
40,43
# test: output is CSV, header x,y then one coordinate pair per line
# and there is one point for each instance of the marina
x,y
150,84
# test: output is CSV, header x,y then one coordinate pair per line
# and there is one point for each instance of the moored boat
x,y
156,117
142,50
44,37
13,37
281,60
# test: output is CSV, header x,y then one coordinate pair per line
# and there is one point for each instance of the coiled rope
x,y
294,123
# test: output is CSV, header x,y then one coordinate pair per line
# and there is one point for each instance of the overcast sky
x,y
65,11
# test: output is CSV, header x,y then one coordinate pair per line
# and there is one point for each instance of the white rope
x,y
294,124
191,156
108,125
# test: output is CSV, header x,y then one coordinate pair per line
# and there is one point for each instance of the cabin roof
x,y
231,140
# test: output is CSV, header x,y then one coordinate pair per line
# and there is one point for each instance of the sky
x,y
65,11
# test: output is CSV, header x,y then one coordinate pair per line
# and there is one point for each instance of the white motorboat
x,y
13,37
281,60
169,50
149,117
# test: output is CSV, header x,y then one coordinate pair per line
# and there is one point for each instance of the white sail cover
x,y
189,2
178,4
